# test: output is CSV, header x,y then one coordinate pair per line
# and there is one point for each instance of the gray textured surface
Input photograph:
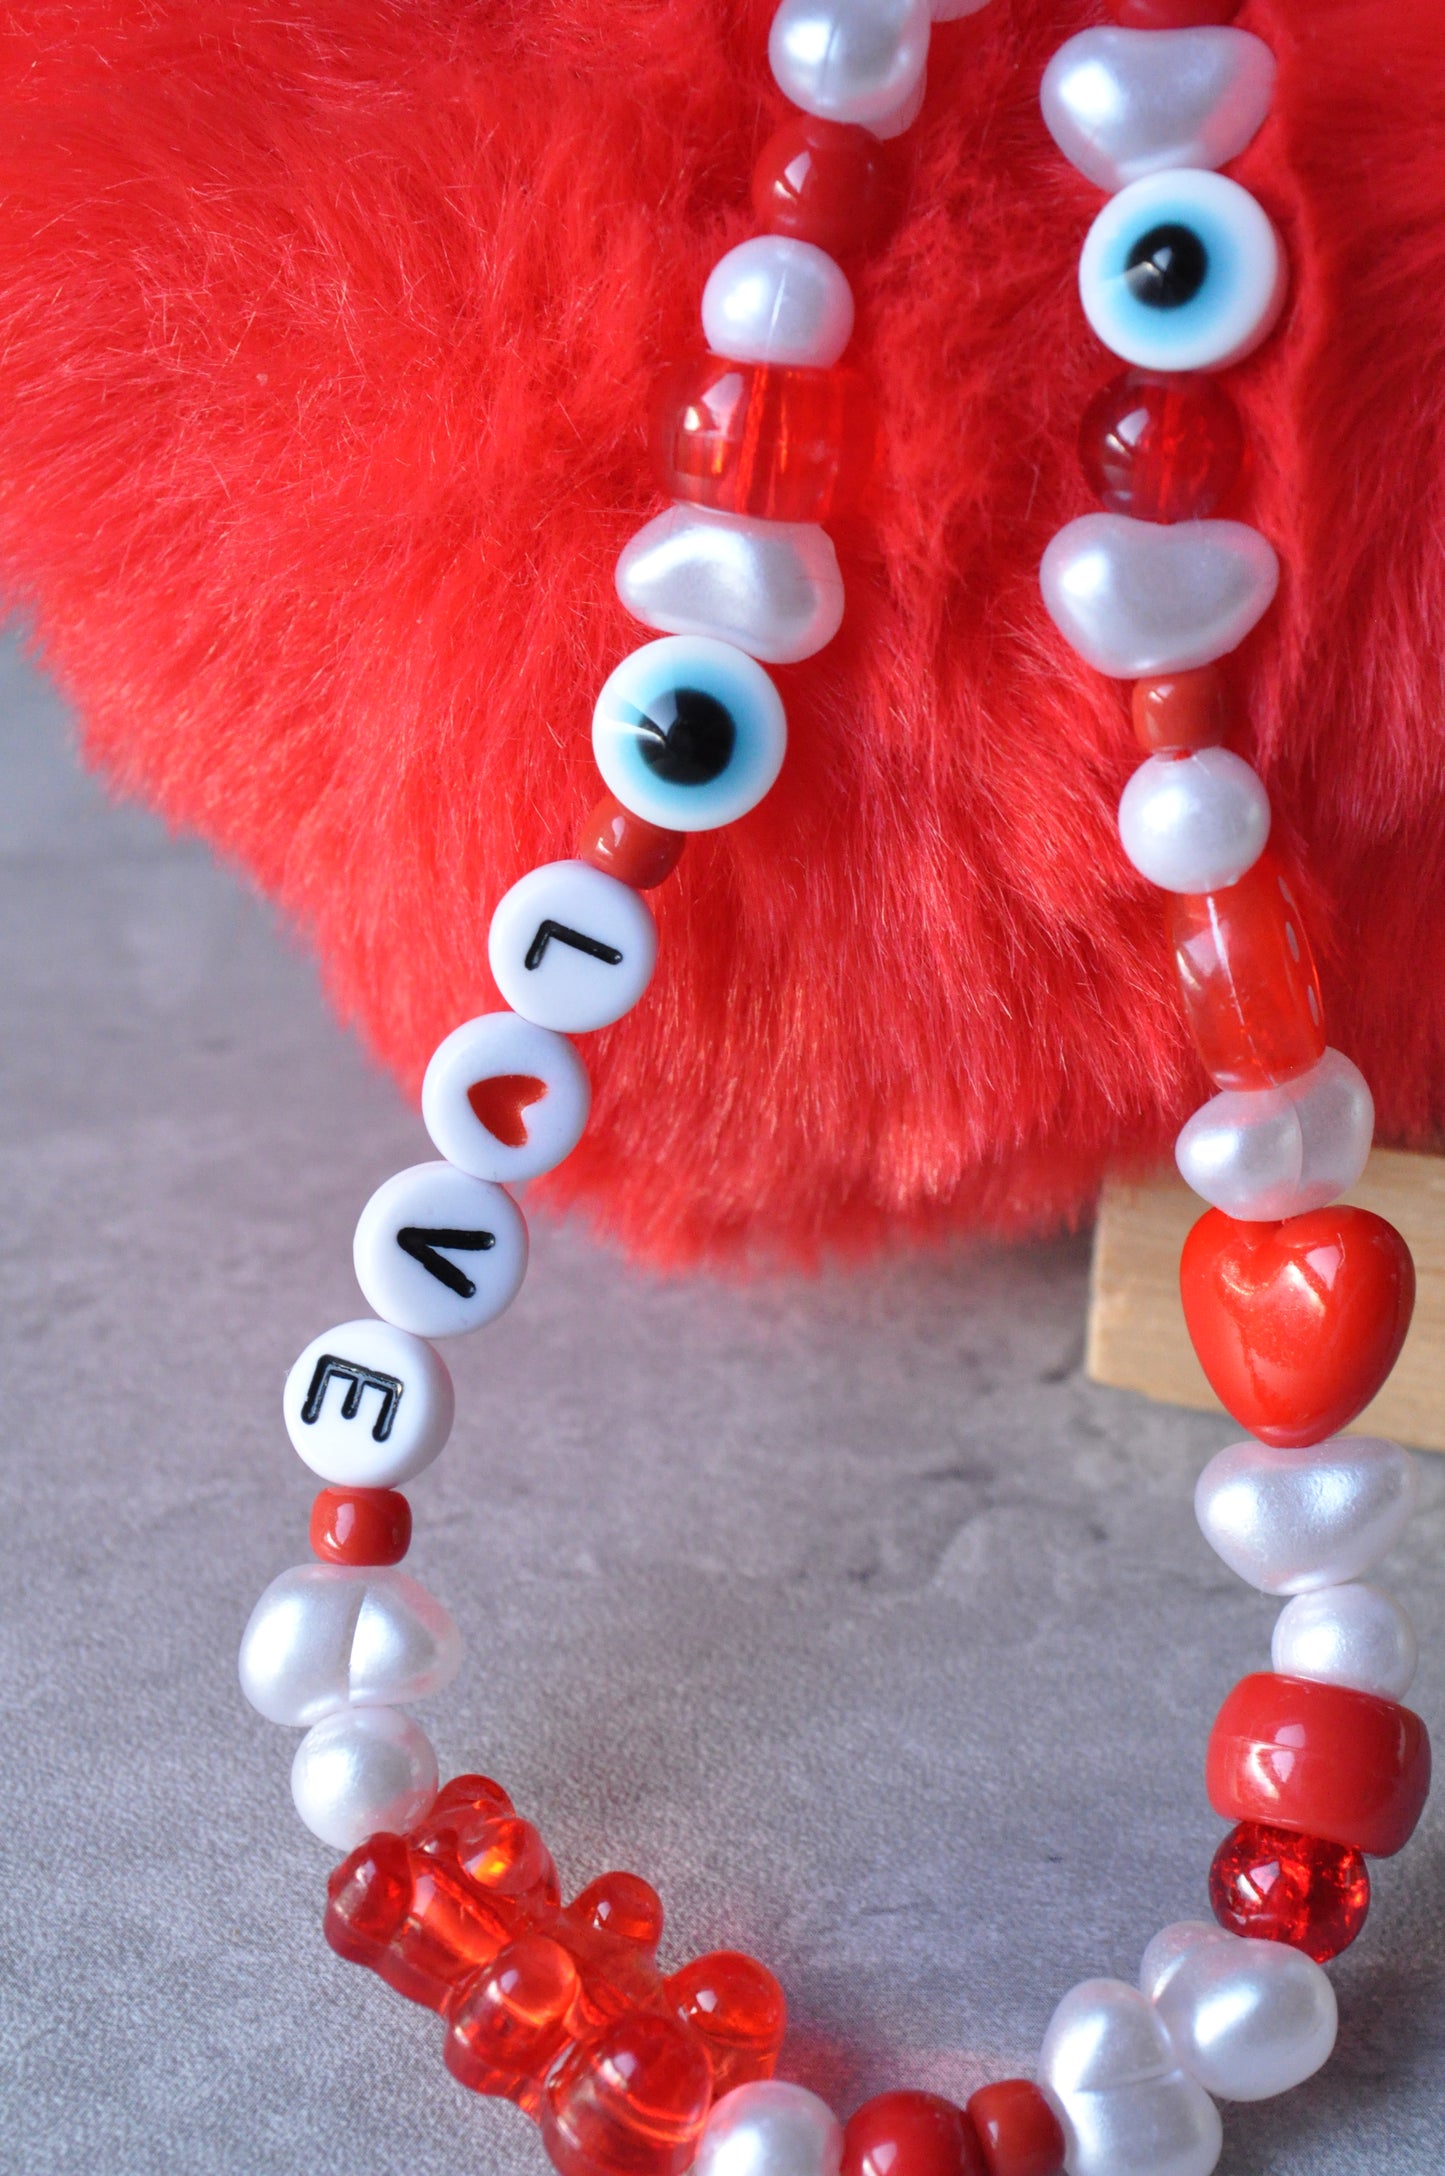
x,y
848,1612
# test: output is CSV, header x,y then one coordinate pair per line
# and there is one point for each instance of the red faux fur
x,y
327,329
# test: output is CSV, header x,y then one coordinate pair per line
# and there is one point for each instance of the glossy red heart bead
x,y
1297,1323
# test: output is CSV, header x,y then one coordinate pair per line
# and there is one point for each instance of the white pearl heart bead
x,y
1141,597
1127,2108
329,1636
770,2129
1350,1635
1263,1153
771,587
1291,1521
1247,2019
1124,103
361,1770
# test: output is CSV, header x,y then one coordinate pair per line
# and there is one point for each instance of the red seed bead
x,y
1174,14
1278,1885
1248,979
911,2134
754,438
361,1525
1336,1763
1018,2130
627,847
1161,448
828,183
1182,711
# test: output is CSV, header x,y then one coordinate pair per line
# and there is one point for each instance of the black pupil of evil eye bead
x,y
1167,267
686,736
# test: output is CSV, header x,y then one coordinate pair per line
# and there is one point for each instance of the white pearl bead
x,y
770,2129
849,60
1247,2019
1264,1153
1136,598
1348,1635
328,1636
368,1405
777,300
541,1117
1124,103
439,1253
771,587
1194,823
1292,1521
571,948
1126,2107
1239,268
362,1770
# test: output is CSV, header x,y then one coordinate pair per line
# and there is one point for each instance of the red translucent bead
x,y
1161,448
1337,1763
828,183
737,2009
911,2134
630,2102
1181,711
631,849
361,1525
1174,14
756,438
1018,2130
512,2022
1248,978
622,1905
1279,1885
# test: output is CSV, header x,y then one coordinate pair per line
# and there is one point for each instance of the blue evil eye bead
x,y
1182,271
689,733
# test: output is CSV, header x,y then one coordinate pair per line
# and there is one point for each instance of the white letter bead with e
x,y
505,1099
368,1405
570,948
438,1252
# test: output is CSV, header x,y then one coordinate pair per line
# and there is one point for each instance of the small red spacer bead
x,y
911,2134
1279,1885
1179,712
1017,2129
361,1526
627,847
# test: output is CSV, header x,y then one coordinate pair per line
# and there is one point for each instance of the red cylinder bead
x,y
627,847
1174,14
360,1526
1279,1885
1018,2130
1339,1764
1178,712
1161,448
1248,978
754,438
911,2134
828,183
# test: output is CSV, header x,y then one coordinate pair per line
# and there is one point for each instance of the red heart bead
x,y
1298,1323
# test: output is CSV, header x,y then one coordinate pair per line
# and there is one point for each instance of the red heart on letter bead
x,y
499,1102
1298,1323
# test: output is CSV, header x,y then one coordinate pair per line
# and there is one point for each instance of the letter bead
x,y
368,1405
438,1252
570,948
504,1099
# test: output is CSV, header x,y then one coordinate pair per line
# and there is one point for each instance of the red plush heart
x,y
1297,1324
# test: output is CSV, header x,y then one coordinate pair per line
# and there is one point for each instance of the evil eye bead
x,y
1182,271
689,733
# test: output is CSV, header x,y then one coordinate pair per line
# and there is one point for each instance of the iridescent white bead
x,y
771,587
1239,278
361,1770
1136,598
501,1046
1126,2107
1123,103
1348,1635
770,2129
1194,823
1263,1153
1247,2019
850,60
571,948
368,1405
1293,1521
439,1253
777,300
329,1636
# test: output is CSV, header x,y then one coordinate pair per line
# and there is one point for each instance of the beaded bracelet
x,y
1297,1308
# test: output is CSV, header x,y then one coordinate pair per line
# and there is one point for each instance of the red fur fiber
x,y
327,332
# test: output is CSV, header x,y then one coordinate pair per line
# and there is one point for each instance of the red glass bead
x,y
828,183
627,847
1248,978
1161,448
360,1525
630,2102
1339,1764
1174,14
512,2023
1279,1885
622,1905
1177,713
911,2134
755,438
737,2009
1018,2130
